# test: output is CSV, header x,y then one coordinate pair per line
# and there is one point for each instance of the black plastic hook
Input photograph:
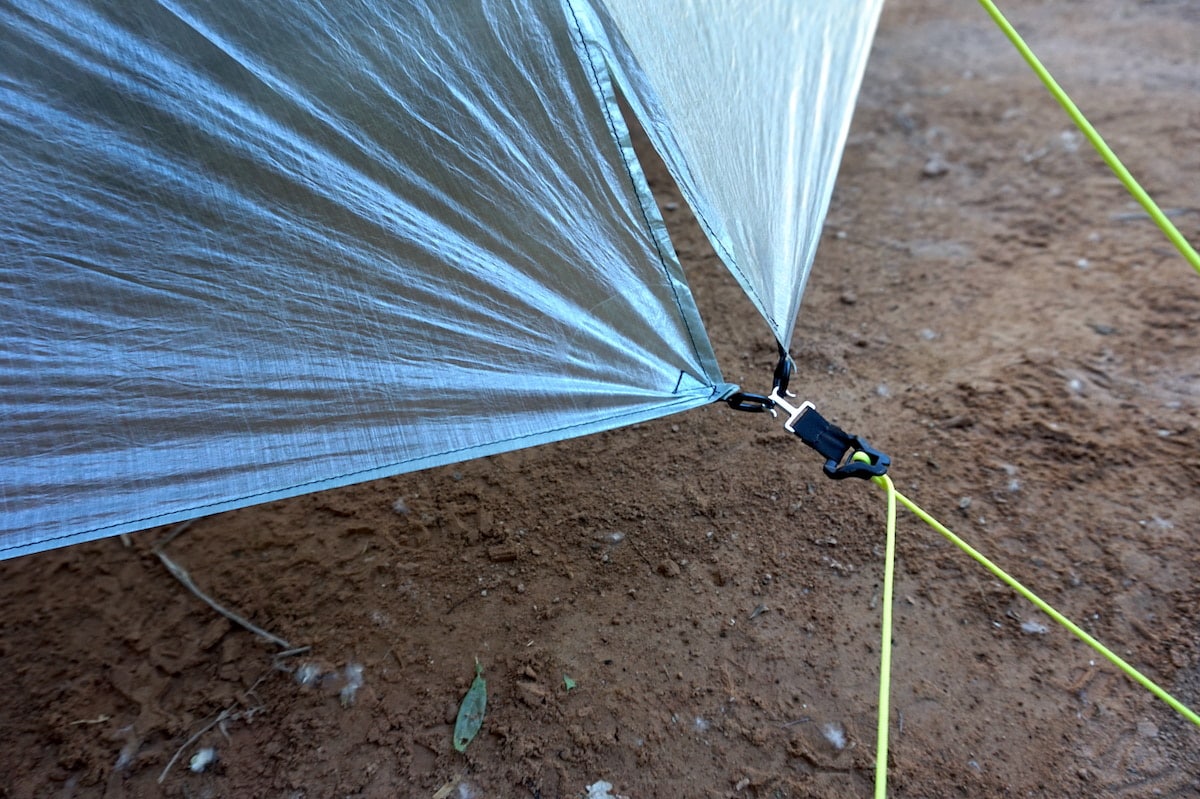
x,y
751,403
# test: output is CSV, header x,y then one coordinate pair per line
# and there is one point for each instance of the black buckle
x,y
839,447
833,443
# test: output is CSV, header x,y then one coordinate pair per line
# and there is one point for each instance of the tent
x,y
253,377
257,249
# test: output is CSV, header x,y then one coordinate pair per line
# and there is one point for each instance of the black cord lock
x,y
834,444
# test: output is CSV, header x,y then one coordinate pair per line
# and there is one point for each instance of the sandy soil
x,y
987,306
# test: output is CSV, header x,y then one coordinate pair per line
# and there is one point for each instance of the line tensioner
x,y
836,445
833,443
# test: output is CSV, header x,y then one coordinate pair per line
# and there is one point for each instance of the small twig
x,y
448,788
227,714
171,536
291,653
222,716
278,664
182,576
1139,215
252,693
103,717
801,720
458,603
640,553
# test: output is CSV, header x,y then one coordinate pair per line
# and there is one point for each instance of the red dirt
x,y
988,306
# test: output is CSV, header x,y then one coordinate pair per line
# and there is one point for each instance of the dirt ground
x,y
988,306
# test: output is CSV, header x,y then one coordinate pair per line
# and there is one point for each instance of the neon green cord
x,y
885,655
1110,158
1041,605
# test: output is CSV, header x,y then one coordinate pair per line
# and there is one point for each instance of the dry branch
x,y
182,576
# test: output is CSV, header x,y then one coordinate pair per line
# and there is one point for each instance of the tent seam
x,y
612,127
732,263
714,239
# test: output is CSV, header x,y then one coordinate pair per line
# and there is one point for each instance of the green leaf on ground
x,y
567,681
470,712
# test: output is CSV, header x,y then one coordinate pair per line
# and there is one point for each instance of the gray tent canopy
x,y
256,249
749,105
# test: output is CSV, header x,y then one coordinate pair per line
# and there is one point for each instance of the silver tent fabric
x,y
749,105
252,249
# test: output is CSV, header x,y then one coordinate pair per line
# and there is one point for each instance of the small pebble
x,y
935,167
